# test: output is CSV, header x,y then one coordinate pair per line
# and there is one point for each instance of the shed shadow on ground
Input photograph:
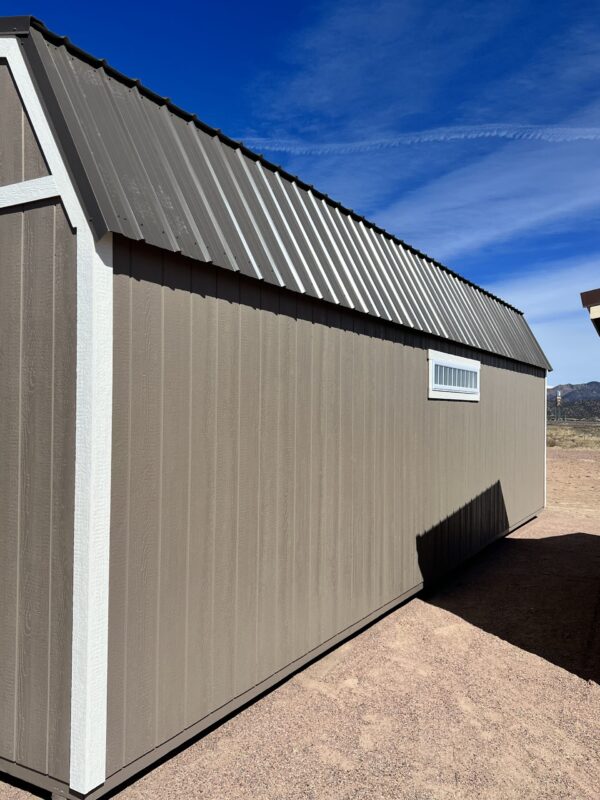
x,y
541,595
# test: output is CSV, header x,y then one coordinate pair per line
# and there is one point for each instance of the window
x,y
453,377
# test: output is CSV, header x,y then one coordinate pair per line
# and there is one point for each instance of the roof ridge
x,y
21,26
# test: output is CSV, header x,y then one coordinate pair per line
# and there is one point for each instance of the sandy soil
x,y
487,688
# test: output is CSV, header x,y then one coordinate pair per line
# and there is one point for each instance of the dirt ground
x,y
487,688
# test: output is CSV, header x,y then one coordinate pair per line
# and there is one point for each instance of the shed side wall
x,y
278,474
37,436
20,156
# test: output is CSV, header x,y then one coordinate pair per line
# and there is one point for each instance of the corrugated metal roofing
x,y
152,172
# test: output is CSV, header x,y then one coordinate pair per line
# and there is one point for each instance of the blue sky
x,y
469,129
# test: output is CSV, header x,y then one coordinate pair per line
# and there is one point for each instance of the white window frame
x,y
436,392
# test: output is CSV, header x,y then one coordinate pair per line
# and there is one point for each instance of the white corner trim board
x,y
92,444
545,440
17,194
92,512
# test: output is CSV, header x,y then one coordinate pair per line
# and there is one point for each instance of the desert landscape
x,y
582,435
487,687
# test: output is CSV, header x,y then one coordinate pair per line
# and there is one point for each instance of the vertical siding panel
x,y
248,489
200,578
34,165
144,511
226,515
174,506
389,475
302,507
286,456
345,506
120,501
397,488
11,130
269,482
20,155
371,560
37,393
400,483
329,524
441,422
378,478
10,344
358,468
36,493
317,491
63,477
404,522
420,482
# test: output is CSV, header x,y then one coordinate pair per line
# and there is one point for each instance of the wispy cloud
x,y
365,65
517,189
539,133
549,296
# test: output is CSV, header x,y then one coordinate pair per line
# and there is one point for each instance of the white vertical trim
x,y
93,440
545,435
92,512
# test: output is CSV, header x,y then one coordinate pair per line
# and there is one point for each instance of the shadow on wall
x,y
462,534
541,595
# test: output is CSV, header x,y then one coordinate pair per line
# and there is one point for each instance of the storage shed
x,y
237,420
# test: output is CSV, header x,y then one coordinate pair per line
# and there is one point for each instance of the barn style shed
x,y
237,420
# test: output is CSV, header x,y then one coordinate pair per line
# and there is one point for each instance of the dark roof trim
x,y
17,25
591,298
21,26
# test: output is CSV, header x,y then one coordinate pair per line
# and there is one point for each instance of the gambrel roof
x,y
149,171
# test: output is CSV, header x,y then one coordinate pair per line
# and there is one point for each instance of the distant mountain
x,y
579,400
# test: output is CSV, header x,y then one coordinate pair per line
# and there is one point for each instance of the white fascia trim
x,y
17,194
92,455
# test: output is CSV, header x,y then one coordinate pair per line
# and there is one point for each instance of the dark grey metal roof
x,y
150,171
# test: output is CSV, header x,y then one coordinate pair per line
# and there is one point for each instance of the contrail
x,y
542,133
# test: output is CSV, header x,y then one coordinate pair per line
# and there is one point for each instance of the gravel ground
x,y
486,688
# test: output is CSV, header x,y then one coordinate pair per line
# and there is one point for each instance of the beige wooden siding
x,y
20,155
278,474
37,443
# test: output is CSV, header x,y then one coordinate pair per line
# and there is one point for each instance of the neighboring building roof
x,y
591,301
150,171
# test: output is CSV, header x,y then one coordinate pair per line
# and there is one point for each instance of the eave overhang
x,y
591,301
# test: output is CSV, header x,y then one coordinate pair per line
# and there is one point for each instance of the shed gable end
x,y
21,158
91,360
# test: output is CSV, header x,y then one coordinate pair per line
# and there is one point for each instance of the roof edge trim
x,y
16,26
